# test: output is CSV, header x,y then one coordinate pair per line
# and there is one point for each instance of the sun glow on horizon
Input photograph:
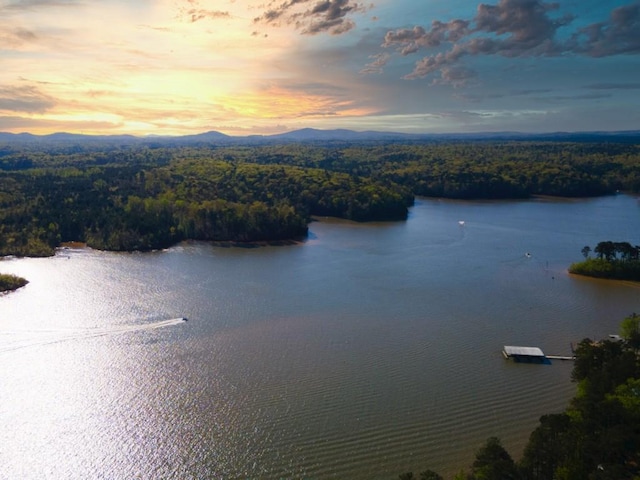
x,y
187,66
169,74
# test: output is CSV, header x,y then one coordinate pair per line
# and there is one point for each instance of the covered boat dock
x,y
525,354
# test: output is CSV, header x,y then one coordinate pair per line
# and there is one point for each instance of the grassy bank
x,y
11,282
610,269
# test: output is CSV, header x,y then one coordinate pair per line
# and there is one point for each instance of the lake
x,y
363,352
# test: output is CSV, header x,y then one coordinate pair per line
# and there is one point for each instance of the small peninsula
x,y
614,260
11,282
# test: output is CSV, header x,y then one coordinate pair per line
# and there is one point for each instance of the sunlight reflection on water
x,y
371,350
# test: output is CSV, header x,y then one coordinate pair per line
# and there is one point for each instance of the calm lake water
x,y
364,352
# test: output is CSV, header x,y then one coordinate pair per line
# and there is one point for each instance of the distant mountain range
x,y
312,135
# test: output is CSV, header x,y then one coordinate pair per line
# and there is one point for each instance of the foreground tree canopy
x,y
146,196
596,438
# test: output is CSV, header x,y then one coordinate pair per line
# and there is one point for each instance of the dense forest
x,y
614,260
596,438
149,195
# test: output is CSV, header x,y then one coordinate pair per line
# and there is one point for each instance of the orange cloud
x,y
276,102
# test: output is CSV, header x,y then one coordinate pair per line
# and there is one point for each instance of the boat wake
x,y
17,339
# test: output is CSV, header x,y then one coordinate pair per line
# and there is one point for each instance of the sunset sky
x,y
246,67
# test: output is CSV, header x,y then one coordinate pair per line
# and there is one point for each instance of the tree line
x,y
609,251
147,196
596,438
134,207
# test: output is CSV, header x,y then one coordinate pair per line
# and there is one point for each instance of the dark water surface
x,y
366,351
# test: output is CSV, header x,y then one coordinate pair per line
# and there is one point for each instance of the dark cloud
x,y
527,24
27,99
511,28
411,40
620,34
313,16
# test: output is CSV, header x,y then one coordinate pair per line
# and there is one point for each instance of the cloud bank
x,y
511,28
25,99
183,66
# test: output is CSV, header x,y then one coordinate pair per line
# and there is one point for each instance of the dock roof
x,y
523,351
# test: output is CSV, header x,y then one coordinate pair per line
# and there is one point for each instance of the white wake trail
x,y
17,339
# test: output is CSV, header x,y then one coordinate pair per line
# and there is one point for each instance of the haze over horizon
x,y
179,67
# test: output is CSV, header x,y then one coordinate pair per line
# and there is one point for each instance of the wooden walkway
x,y
561,357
